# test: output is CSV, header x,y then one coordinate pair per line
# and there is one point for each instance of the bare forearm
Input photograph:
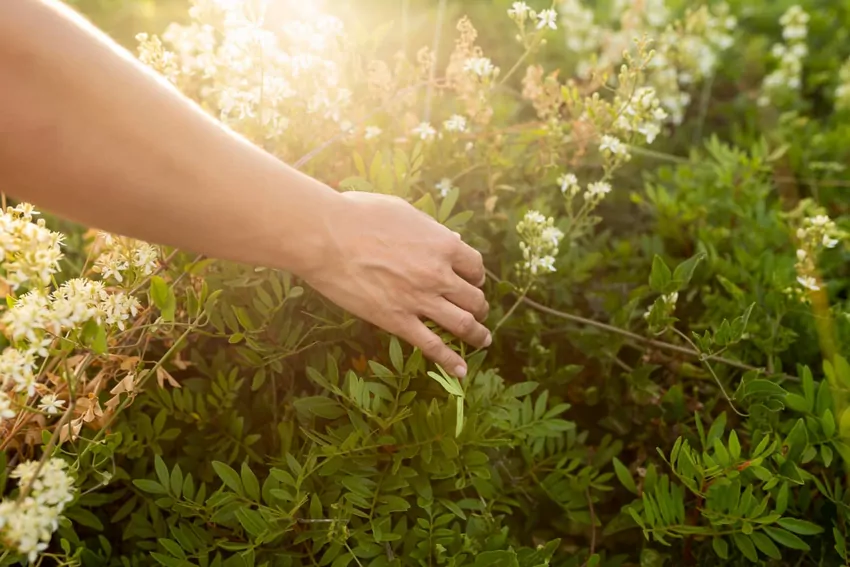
x,y
87,132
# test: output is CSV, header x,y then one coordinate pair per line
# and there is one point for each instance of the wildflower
x,y
27,525
118,308
597,190
456,123
552,234
51,404
568,182
481,66
121,256
425,132
613,146
444,187
539,243
801,255
808,282
6,411
547,19
372,132
519,10
28,317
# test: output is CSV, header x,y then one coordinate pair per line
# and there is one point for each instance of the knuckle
x,y
432,345
466,323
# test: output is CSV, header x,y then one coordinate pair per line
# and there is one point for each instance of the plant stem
x,y
639,338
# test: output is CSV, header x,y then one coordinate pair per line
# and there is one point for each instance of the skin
x,y
89,133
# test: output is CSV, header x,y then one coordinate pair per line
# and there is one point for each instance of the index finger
x,y
468,263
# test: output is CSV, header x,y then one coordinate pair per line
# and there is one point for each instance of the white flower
x,y
372,132
27,525
519,11
118,308
597,190
613,146
801,254
829,242
547,19
808,282
50,404
481,66
568,182
552,235
6,411
444,187
456,123
425,132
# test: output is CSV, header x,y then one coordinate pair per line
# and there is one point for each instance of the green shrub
x,y
668,282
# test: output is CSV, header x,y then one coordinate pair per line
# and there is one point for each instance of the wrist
x,y
307,249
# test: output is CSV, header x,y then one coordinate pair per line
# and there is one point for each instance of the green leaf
x,y
94,336
448,204
250,482
176,481
827,422
396,356
159,292
782,499
624,476
161,471
458,415
150,486
163,297
319,406
685,271
229,477
496,559
172,547
786,538
745,544
796,441
801,527
766,546
734,445
84,517
798,403
721,548
448,383
660,276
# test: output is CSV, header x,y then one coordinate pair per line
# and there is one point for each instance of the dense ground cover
x,y
659,191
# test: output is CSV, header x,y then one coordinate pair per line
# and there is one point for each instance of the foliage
x,y
664,223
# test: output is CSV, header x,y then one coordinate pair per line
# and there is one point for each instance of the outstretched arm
x,y
89,133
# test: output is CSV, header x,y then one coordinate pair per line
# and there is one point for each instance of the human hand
x,y
391,264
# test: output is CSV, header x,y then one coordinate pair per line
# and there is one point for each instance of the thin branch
x,y
641,339
592,526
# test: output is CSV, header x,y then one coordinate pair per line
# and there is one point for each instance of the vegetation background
x,y
673,392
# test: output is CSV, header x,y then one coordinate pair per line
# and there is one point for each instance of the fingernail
x,y
489,340
460,371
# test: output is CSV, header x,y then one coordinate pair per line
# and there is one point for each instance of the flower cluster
x,y
258,77
522,14
30,253
787,77
42,324
814,234
470,74
686,50
643,114
28,522
539,243
121,256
